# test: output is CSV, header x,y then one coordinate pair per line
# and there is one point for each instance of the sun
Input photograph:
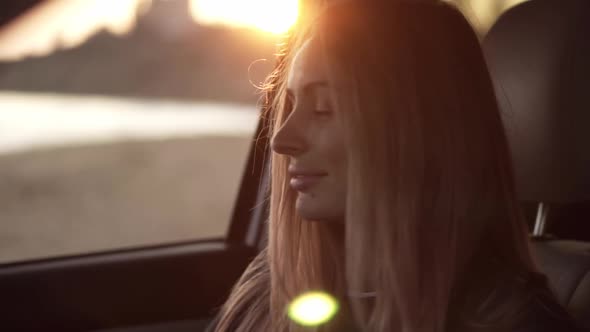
x,y
275,16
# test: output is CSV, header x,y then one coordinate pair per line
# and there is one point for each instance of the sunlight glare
x,y
275,16
512,3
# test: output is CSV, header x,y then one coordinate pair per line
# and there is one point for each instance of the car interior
x,y
537,53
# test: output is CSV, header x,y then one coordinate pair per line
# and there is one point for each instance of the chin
x,y
313,208
309,209
314,211
309,214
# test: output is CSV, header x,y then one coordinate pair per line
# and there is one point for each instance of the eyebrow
x,y
308,87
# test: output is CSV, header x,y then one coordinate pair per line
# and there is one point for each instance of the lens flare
x,y
275,16
313,308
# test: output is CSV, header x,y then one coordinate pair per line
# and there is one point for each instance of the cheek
x,y
338,155
335,154
327,145
338,171
328,199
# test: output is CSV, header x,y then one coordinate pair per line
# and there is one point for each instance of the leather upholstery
x,y
567,265
538,53
539,56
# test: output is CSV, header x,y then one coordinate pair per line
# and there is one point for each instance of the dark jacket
x,y
544,315
540,311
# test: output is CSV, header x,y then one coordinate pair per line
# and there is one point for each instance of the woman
x,y
391,183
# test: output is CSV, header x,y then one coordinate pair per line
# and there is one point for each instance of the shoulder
x,y
505,301
544,314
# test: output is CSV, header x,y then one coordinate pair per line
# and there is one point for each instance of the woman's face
x,y
312,137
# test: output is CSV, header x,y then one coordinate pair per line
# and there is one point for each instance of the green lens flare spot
x,y
313,308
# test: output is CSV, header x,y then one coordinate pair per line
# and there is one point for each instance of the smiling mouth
x,y
303,183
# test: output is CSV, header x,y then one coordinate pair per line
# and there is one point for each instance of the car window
x,y
483,13
127,123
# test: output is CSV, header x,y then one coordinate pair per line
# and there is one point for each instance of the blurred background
x,y
127,123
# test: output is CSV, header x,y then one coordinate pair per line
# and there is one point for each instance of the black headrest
x,y
539,56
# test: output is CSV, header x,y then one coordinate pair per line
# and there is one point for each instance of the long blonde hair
x,y
429,178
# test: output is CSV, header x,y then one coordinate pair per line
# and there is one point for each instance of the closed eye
x,y
322,112
322,106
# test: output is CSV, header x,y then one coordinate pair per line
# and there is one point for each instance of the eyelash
x,y
322,112
289,104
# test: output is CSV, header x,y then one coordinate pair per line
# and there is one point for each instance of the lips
x,y
304,182
302,179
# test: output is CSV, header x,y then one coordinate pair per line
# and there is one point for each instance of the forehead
x,y
307,67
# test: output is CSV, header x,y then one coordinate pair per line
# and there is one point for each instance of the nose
x,y
289,139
